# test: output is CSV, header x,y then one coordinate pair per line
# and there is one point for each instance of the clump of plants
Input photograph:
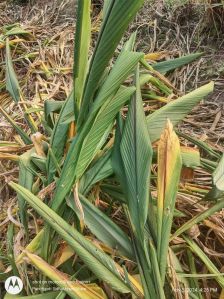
x,y
106,148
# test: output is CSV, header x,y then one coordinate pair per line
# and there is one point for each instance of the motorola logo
x,y
13,285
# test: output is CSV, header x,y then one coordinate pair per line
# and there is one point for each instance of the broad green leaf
x,y
119,14
122,69
50,107
202,145
106,7
190,157
74,289
85,146
82,43
26,139
175,110
103,227
39,161
115,191
100,170
169,65
12,84
59,137
147,78
98,262
136,153
169,169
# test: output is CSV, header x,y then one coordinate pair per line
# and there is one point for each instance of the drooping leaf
x,y
100,264
199,218
172,64
75,289
206,260
15,29
176,110
26,139
104,228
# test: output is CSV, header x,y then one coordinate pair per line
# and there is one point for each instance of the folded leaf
x,y
136,153
169,168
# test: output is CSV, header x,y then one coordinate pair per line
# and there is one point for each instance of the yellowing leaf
x,y
65,253
75,289
169,168
156,55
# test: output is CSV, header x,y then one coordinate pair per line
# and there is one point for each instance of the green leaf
x,y
59,137
136,153
190,157
122,69
26,180
39,161
100,170
176,110
16,30
119,13
50,107
98,262
169,65
12,84
206,261
74,289
199,218
19,130
218,175
103,227
86,145
82,43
